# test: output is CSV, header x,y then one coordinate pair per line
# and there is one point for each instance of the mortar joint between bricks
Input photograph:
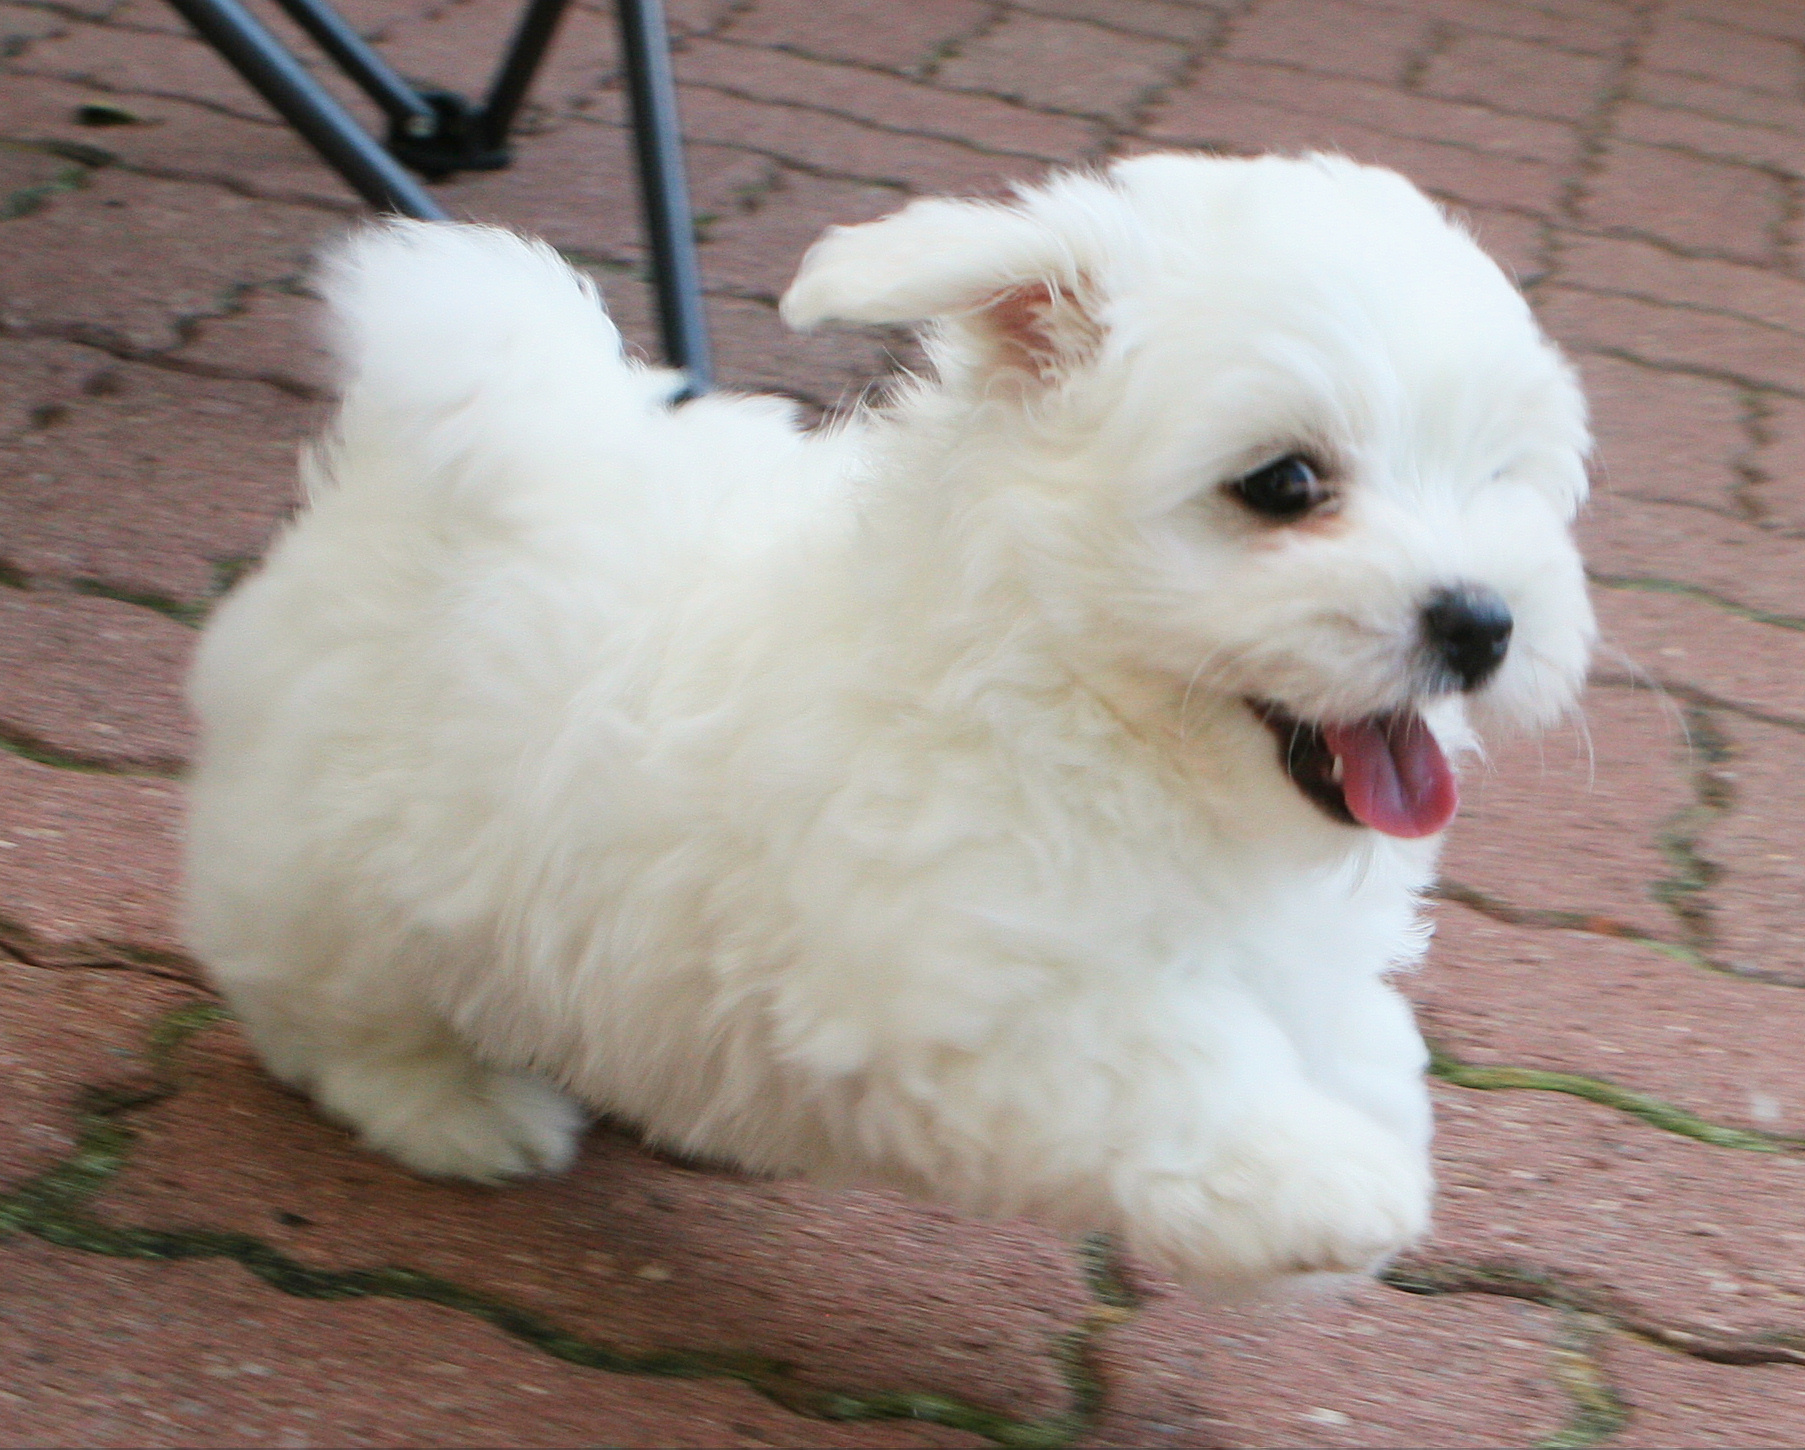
x,y
1597,129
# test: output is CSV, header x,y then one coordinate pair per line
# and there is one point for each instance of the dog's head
x,y
1275,434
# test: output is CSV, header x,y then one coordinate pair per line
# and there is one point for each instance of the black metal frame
x,y
438,132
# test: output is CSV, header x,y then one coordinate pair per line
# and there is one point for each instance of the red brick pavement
x,y
189,1257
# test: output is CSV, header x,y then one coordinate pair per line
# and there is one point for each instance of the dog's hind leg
x,y
443,1113
409,1087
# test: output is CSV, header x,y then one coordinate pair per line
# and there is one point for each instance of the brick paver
x,y
189,1256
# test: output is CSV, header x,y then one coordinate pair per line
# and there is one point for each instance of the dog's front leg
x,y
1246,1156
1242,1159
1194,1129
1300,1183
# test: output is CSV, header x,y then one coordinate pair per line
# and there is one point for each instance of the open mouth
x,y
1385,771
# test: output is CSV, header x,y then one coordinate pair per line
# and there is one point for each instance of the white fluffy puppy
x,y
1017,796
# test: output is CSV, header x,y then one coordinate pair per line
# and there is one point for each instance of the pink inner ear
x,y
1021,321
1038,329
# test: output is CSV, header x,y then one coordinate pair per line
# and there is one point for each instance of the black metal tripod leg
x,y
307,106
379,178
400,102
525,51
659,145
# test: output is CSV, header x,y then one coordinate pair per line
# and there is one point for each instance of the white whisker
x,y
1184,705
1643,679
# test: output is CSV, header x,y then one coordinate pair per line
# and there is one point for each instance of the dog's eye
x,y
1285,489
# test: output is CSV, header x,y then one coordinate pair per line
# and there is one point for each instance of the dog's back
x,y
481,375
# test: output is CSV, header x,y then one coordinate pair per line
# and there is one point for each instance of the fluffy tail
x,y
473,351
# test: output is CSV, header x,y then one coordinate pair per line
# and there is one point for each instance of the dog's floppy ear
x,y
990,270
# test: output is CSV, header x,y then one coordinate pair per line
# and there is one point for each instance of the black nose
x,y
1467,630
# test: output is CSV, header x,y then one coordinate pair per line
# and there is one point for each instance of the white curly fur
x,y
881,803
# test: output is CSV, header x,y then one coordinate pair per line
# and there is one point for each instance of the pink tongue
x,y
1394,776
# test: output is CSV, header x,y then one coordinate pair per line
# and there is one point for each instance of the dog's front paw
x,y
449,1118
1334,1195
